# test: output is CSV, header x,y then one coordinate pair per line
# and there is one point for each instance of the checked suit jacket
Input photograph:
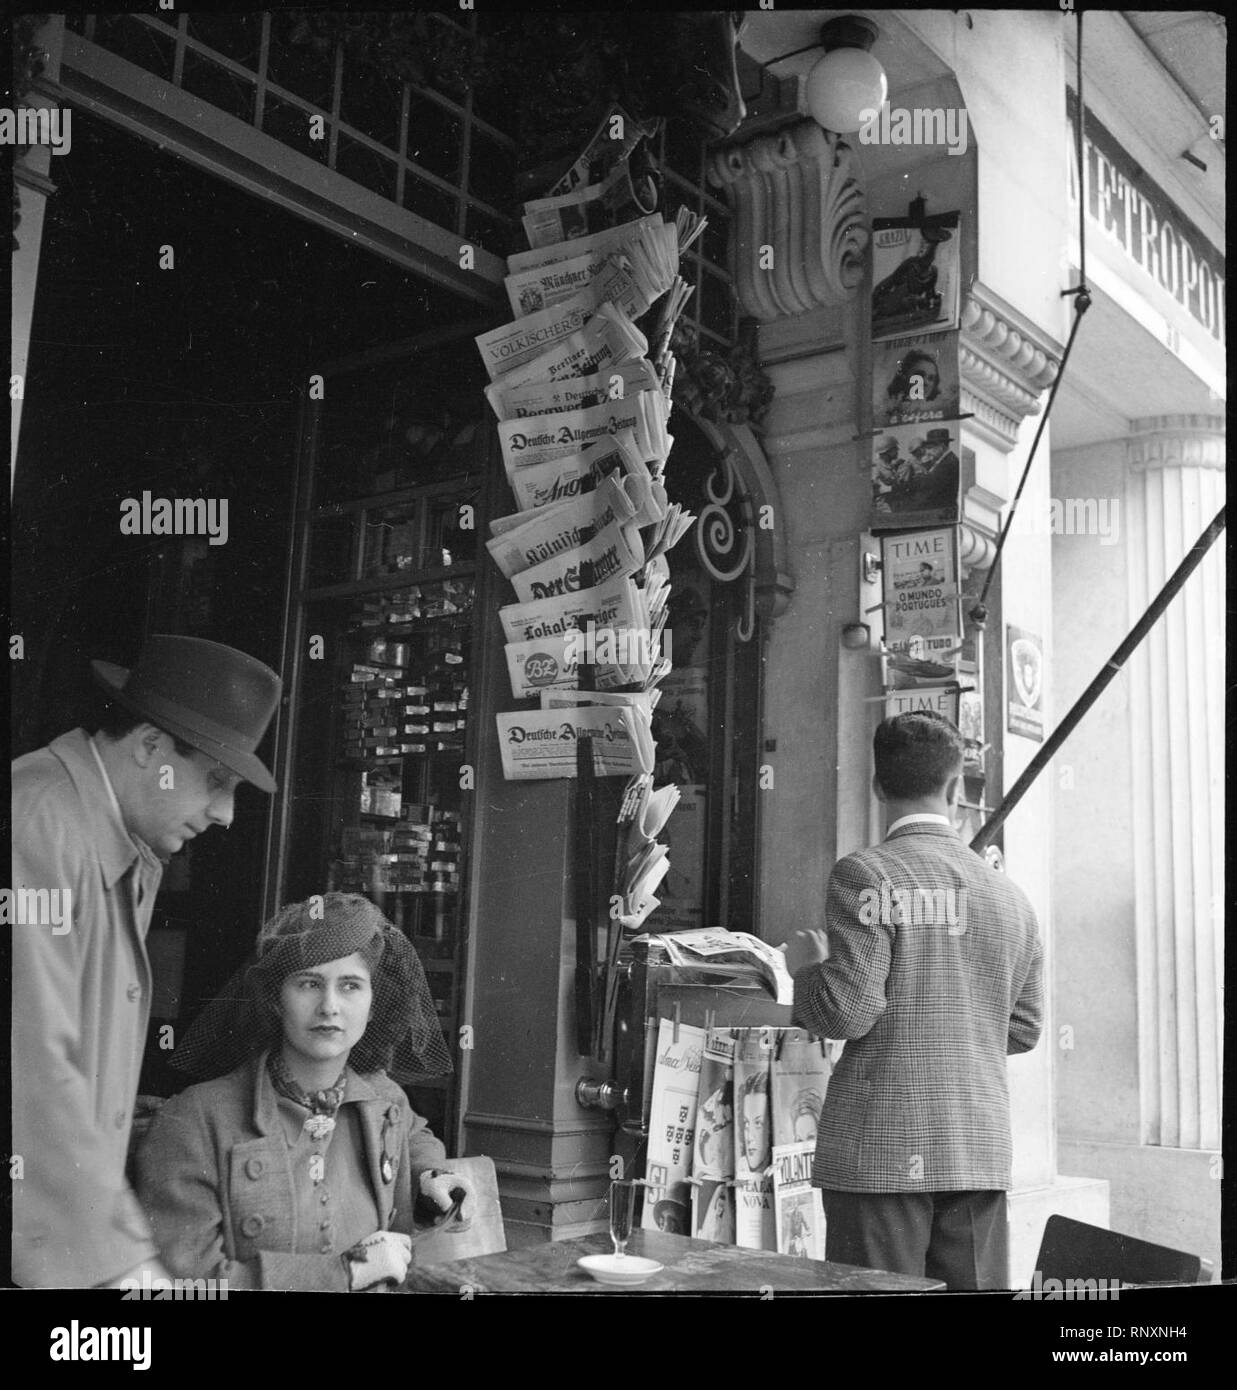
x,y
934,976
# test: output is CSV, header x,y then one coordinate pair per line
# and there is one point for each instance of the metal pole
x,y
1092,693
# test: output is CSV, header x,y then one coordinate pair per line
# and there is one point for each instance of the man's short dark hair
x,y
916,754
115,722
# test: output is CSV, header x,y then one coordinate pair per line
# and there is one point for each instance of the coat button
x,y
254,1167
252,1225
134,993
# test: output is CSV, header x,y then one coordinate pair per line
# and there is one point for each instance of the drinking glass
x,y
622,1201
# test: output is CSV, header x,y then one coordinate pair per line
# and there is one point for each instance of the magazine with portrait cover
x,y
915,378
800,1069
713,1155
755,1228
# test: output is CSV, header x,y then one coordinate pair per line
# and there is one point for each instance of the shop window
x,y
379,657
707,722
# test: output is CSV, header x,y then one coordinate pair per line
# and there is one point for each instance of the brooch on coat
x,y
390,1123
320,1126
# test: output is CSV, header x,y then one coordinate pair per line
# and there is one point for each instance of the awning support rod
x,y
1092,693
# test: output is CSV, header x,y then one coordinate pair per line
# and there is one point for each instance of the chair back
x,y
484,1235
1075,1250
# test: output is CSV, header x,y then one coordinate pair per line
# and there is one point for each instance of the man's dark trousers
x,y
959,1237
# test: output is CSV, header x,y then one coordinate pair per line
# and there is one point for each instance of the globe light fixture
x,y
848,81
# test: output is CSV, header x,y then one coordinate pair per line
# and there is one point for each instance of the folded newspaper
x,y
604,340
539,744
618,606
512,401
558,528
559,434
557,480
615,552
740,952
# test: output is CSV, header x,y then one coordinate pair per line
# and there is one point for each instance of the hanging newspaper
x,y
607,339
617,605
616,136
672,1124
613,553
546,438
540,485
755,1228
517,402
544,285
590,206
558,529
516,344
540,744
597,244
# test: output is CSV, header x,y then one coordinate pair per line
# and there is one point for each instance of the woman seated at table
x,y
304,1166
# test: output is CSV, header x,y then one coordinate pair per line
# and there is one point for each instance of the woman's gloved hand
x,y
385,1255
437,1186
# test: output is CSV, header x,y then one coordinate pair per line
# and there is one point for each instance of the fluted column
x,y
1175,485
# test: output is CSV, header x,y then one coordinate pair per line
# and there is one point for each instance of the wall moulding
x,y
1177,441
1006,365
797,199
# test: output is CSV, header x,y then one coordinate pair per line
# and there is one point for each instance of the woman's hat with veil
x,y
403,1036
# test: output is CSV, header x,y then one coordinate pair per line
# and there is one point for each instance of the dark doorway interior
x,y
183,382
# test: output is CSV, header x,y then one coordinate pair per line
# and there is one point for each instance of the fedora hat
x,y
939,437
212,697
886,445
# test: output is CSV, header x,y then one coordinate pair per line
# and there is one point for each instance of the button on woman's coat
x,y
216,1179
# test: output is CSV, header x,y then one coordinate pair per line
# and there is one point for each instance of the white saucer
x,y
620,1269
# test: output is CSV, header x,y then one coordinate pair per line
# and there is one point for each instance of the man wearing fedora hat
x,y
94,819
934,484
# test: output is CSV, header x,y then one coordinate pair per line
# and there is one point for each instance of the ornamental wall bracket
x,y
740,533
1006,365
799,232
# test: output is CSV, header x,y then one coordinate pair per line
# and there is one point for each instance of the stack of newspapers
x,y
582,406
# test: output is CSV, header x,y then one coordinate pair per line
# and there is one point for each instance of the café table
x,y
691,1266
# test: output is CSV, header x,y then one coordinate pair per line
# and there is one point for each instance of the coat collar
x,y
379,1118
921,827
116,848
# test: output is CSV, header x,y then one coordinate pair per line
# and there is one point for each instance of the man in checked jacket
x,y
930,967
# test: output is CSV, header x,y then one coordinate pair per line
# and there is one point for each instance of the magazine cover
x,y
939,699
713,1156
753,1152
672,1126
713,1210
915,378
916,479
798,1206
800,1079
919,574
916,274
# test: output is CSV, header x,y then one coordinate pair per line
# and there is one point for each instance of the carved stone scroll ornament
x,y
799,234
